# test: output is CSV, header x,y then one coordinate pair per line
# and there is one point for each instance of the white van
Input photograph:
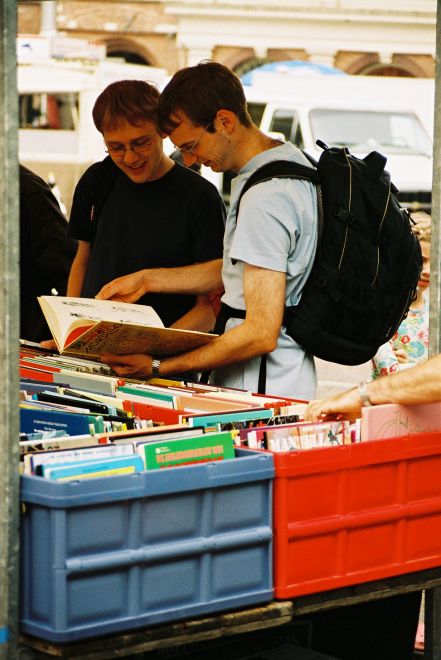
x,y
391,115
56,131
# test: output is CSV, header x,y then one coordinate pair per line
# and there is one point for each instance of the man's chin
x,y
139,175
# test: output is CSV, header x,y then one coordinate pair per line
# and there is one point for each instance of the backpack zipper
x,y
379,231
349,209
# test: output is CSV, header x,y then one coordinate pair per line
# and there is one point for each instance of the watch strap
x,y
363,393
155,366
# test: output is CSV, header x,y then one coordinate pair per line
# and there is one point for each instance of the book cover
x,y
34,419
307,436
392,420
94,469
34,461
183,451
88,327
94,383
45,441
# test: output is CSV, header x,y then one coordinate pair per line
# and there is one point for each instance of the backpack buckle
x,y
345,216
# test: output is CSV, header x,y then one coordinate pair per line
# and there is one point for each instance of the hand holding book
x,y
91,328
136,365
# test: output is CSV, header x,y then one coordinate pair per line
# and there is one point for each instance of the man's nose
x,y
129,155
189,159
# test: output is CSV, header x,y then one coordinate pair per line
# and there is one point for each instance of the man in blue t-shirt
x,y
269,247
139,209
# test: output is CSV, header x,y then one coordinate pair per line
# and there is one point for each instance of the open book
x,y
90,327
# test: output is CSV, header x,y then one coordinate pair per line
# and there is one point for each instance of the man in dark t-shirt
x,y
139,209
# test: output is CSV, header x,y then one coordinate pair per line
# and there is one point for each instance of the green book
x,y
183,451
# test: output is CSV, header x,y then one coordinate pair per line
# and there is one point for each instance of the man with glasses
x,y
268,249
139,209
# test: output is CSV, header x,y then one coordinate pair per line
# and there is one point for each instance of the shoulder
x,y
96,182
31,182
96,172
193,181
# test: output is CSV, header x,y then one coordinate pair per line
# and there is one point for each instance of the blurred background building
x,y
358,36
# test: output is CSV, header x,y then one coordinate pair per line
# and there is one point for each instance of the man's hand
x,y
128,288
49,344
347,403
137,365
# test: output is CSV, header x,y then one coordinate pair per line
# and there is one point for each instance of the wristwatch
x,y
363,393
155,366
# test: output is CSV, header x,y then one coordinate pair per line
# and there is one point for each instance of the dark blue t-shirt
x,y
176,220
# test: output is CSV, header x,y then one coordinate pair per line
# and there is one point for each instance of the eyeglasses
x,y
189,150
138,146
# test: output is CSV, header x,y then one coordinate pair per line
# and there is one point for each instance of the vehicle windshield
x,y
363,131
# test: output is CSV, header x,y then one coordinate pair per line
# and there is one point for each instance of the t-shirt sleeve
x,y
207,224
269,223
81,215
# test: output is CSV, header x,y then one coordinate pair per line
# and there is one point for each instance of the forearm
x,y
195,280
78,270
420,384
264,295
75,281
200,317
236,345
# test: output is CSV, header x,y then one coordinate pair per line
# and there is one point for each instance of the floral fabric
x,y
412,336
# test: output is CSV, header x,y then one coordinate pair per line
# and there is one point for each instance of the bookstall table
x,y
242,621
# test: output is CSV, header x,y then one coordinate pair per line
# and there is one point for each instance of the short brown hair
x,y
135,101
200,91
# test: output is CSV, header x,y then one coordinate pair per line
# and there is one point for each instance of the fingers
x,y
315,411
107,292
138,365
49,344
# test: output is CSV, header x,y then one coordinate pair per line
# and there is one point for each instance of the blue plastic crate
x,y
118,553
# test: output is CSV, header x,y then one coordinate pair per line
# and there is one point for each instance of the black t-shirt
x,y
176,220
46,252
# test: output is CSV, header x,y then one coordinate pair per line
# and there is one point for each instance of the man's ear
x,y
226,120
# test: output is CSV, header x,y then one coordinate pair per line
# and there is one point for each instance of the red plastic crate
x,y
350,514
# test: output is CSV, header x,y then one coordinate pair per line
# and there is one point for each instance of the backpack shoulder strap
x,y
280,169
101,182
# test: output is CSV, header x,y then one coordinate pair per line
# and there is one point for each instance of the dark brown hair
x,y
200,91
135,101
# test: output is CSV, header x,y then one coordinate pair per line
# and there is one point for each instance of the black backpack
x,y
368,261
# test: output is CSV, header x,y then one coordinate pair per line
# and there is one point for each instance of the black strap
x,y
226,312
280,169
101,182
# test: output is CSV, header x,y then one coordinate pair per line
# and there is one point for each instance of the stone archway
x,y
131,51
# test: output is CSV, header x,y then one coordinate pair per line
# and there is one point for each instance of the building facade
x,y
357,36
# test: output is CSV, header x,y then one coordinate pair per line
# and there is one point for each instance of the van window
x,y
287,122
54,111
256,111
362,131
